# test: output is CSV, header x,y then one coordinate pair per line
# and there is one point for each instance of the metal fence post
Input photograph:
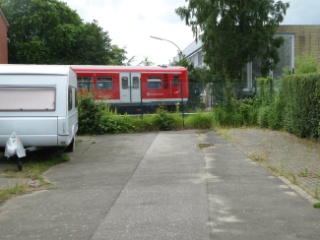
x,y
182,106
141,99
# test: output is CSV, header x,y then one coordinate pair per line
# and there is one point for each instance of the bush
x,y
239,113
301,104
306,64
199,120
263,117
165,121
90,115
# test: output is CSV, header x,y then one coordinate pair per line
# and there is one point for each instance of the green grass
x,y
34,165
316,205
200,120
8,193
256,157
304,172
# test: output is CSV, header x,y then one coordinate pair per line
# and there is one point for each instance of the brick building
x,y
305,39
4,24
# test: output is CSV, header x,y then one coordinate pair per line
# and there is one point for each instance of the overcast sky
x,y
130,23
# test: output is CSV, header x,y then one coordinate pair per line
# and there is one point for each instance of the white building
x,y
298,40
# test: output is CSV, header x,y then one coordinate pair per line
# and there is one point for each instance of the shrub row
x,y
98,118
291,104
300,97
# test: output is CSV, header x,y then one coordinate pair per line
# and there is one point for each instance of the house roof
x,y
4,17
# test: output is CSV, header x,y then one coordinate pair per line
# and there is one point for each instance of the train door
x,y
135,87
130,87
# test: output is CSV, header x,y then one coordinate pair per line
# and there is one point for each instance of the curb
x,y
299,190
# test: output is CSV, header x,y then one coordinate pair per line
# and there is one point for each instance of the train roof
x,y
116,69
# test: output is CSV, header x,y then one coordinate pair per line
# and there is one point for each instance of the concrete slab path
x,y
160,186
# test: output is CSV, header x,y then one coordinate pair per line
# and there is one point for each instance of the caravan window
x,y
76,98
27,98
70,98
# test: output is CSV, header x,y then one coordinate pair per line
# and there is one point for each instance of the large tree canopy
x,y
49,32
235,32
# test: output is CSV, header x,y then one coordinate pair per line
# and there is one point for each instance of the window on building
x,y
285,54
200,58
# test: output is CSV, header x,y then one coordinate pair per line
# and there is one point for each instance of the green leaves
x,y
300,94
235,32
49,32
306,64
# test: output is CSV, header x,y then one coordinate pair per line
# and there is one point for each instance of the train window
x,y
135,83
85,83
154,82
104,83
125,83
175,80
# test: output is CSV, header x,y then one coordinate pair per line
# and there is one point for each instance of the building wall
x,y
298,40
3,39
306,38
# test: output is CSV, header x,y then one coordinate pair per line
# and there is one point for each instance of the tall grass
x,y
200,120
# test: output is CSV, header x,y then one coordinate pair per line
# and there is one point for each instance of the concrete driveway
x,y
160,186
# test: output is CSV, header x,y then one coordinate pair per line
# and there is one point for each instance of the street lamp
x,y
180,53
162,39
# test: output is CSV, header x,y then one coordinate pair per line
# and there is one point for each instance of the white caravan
x,y
38,104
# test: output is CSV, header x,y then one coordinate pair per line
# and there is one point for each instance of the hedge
x,y
299,95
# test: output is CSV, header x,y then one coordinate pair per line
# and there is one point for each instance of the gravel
x,y
284,154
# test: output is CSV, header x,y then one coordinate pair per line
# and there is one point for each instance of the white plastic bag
x,y
14,147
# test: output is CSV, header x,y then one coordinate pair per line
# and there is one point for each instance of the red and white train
x,y
124,86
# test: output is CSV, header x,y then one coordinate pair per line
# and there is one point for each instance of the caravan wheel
x,y
19,164
72,145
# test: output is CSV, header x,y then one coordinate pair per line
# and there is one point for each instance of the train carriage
x,y
124,86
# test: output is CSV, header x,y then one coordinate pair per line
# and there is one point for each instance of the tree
x,y
146,62
198,78
130,61
235,32
117,55
94,45
49,32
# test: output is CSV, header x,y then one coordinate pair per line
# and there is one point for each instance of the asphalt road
x,y
160,186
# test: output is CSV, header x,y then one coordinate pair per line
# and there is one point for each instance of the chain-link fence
x,y
202,96
155,93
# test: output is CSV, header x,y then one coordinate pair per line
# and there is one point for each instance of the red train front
x,y
123,86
